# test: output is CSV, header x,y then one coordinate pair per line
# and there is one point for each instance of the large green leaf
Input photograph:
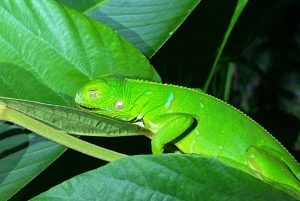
x,y
165,177
47,52
83,6
146,24
23,155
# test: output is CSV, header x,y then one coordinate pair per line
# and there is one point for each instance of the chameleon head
x,y
104,96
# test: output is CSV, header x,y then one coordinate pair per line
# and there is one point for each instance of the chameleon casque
x,y
196,123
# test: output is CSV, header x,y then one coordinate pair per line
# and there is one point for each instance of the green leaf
x,y
23,155
63,49
51,133
147,24
48,52
53,122
165,177
73,121
238,10
83,6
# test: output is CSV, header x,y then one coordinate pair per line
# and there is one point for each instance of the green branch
x,y
46,131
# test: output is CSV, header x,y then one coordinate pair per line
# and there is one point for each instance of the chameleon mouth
x,y
86,107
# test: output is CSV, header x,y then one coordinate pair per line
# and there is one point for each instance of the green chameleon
x,y
196,123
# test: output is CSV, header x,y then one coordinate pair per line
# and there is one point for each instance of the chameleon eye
x,y
93,93
119,105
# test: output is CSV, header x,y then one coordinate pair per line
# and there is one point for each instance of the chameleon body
x,y
196,123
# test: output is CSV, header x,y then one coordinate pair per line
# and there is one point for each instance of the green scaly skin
x,y
196,123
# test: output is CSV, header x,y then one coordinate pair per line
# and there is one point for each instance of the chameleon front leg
x,y
168,127
270,168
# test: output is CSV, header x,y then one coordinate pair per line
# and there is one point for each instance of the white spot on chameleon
x,y
201,105
220,147
252,156
192,146
139,117
170,98
154,127
148,92
197,132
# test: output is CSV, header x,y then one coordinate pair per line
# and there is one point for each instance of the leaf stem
x,y
228,82
46,131
239,8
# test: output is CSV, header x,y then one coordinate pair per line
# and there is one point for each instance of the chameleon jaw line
x,y
85,107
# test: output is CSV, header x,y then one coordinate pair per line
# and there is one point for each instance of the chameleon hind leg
x,y
270,168
170,126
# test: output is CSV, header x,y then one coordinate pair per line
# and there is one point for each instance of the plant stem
x,y
228,82
46,131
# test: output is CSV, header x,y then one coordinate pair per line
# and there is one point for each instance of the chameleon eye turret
x,y
119,105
